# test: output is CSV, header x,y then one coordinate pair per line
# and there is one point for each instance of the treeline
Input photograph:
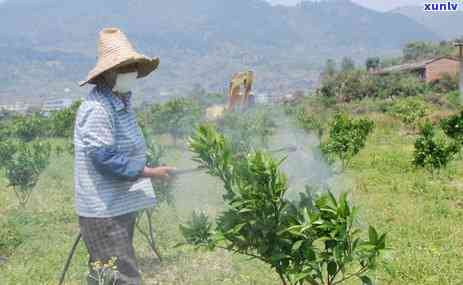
x,y
29,127
348,82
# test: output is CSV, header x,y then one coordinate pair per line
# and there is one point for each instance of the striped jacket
x,y
110,155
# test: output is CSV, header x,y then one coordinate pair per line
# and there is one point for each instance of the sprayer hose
x,y
68,261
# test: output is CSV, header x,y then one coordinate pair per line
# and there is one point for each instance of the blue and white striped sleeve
x,y
97,131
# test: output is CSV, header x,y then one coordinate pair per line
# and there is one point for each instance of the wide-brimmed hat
x,y
115,50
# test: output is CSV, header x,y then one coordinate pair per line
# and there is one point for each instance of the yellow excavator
x,y
238,99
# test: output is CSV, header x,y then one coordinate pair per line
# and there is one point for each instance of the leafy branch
x,y
311,241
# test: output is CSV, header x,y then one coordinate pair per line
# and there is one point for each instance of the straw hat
x,y
115,50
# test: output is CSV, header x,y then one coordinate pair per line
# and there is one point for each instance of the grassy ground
x,y
421,213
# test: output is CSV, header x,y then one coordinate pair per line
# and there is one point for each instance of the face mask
x,y
125,82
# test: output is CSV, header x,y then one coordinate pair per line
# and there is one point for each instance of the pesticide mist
x,y
302,161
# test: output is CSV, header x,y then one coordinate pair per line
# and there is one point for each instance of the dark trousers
x,y
111,238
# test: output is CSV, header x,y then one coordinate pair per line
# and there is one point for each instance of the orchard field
x,y
405,177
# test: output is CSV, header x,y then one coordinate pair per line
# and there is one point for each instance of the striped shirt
x,y
105,121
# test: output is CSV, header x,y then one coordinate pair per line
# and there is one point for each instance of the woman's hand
x,y
161,172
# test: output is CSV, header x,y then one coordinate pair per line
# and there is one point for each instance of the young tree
x,y
177,117
409,110
329,69
373,63
62,122
24,166
347,137
347,64
312,241
309,122
350,85
28,128
433,151
423,50
162,188
248,129
453,126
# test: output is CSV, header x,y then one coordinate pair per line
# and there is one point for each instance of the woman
x,y
112,182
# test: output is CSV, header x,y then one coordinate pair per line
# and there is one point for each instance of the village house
x,y
427,70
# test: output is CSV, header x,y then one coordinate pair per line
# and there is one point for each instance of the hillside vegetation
x,y
47,46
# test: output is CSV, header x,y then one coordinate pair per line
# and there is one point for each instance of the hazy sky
x,y
382,5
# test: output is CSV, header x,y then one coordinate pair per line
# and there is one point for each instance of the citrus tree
x,y
309,122
347,136
7,149
162,187
434,151
28,128
248,129
62,122
163,190
24,165
453,126
177,117
311,241
409,110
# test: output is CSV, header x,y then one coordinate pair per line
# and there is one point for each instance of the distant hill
x,y
48,45
446,25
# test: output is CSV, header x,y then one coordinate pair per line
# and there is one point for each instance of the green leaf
x,y
278,257
309,253
373,235
366,280
297,245
382,242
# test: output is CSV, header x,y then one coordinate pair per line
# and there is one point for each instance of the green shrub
x,y
447,83
372,63
349,85
432,150
347,137
409,110
453,126
162,188
309,122
24,167
177,117
423,50
399,85
454,98
248,129
311,241
62,122
28,128
357,84
7,150
263,125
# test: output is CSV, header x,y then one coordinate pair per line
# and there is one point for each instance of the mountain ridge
x,y
445,24
199,41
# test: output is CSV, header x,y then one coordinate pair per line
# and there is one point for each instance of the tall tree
x,y
347,64
372,63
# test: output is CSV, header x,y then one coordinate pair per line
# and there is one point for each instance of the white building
x,y
19,107
56,105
